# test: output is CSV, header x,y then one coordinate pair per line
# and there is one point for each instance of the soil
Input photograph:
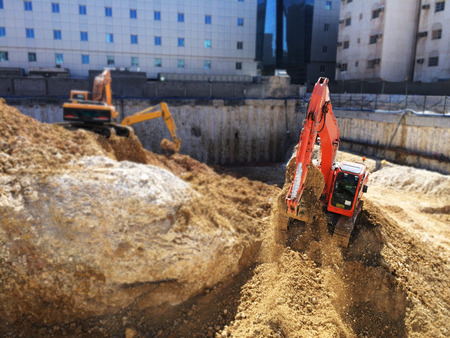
x,y
393,280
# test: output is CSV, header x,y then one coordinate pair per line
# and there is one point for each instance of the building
x,y
299,36
154,36
394,40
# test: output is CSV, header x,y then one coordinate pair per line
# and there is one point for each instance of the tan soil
x,y
392,281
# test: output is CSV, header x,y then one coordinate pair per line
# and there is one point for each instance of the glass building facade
x,y
288,30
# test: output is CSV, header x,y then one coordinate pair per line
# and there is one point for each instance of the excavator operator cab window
x,y
345,188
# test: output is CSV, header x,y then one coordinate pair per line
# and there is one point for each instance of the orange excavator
x,y
95,112
345,182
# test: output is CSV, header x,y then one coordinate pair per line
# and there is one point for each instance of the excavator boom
x,y
153,113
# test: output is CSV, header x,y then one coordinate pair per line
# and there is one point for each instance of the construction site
x,y
225,225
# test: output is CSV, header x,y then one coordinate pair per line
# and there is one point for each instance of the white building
x,y
382,39
155,36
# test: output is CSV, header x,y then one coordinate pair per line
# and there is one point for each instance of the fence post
x,y
362,84
382,87
445,104
424,103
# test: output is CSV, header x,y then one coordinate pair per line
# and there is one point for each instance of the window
x,y
180,63
2,31
422,34
207,43
324,49
322,68
343,67
85,59
56,34
371,63
84,36
110,60
207,19
240,0
238,65
180,42
133,14
108,11
433,61
157,41
360,16
158,62
348,1
373,39
358,40
3,56
55,7
82,9
28,5
1,4
157,16
348,21
375,14
134,61
30,33
240,45
240,21
59,58
32,57
326,27
356,63
346,44
436,34
207,64
180,17
109,38
134,39
328,5
440,6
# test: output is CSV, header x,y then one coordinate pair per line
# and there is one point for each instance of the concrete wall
x,y
231,131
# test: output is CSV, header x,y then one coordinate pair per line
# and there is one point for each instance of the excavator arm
x,y
152,113
320,121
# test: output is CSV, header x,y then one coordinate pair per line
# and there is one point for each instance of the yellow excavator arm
x,y
153,113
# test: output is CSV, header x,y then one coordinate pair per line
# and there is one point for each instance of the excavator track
x,y
345,226
106,129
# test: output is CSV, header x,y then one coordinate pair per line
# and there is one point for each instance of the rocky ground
x,y
103,238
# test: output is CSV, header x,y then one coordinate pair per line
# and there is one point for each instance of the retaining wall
x,y
231,131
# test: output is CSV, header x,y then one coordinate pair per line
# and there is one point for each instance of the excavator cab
x,y
349,183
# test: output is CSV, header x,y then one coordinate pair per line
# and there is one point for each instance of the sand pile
x,y
84,235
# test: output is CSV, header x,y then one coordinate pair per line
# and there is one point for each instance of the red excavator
x,y
345,182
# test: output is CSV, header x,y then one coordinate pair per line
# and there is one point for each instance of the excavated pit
x,y
393,280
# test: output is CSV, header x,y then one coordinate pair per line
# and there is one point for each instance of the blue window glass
x,y
2,31
108,11
240,21
55,7
109,38
110,60
328,5
30,33
3,56
180,42
180,17
158,62
180,63
82,10
59,58
133,14
32,57
56,34
240,0
28,5
157,16
85,59
134,39
207,64
135,61
207,43
157,41
207,19
84,36
1,4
